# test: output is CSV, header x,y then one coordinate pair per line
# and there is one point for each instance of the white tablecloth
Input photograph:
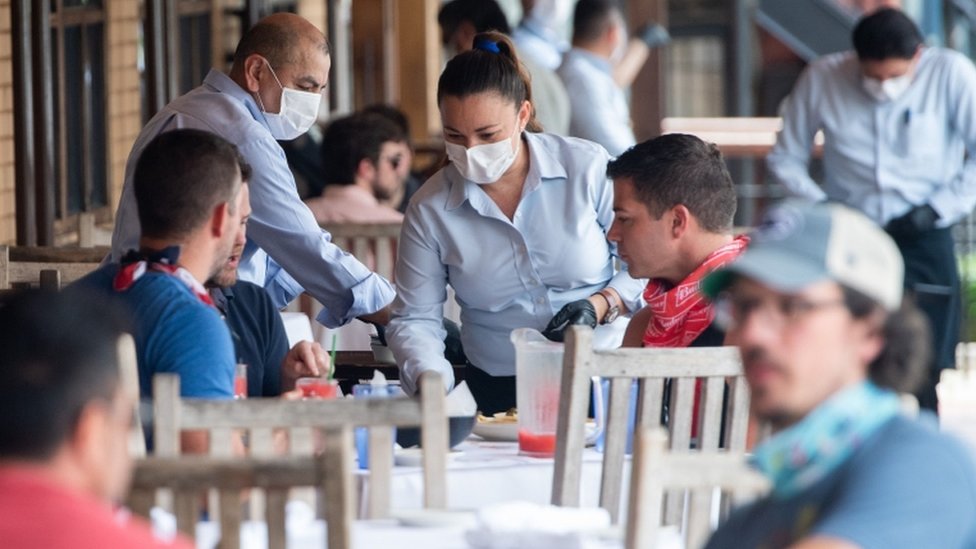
x,y
482,473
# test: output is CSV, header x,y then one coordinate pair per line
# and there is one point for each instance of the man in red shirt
x,y
64,456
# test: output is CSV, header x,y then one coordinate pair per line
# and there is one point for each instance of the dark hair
x,y
392,114
491,67
680,169
592,19
484,15
903,363
276,42
180,177
886,34
349,140
57,357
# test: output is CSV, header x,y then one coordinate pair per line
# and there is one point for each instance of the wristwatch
x,y
614,311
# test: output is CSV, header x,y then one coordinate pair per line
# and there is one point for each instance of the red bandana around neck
x,y
134,265
680,314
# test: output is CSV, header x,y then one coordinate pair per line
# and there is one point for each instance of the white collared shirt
x,y
507,274
883,158
599,109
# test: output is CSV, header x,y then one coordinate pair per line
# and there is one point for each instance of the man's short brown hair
x,y
680,169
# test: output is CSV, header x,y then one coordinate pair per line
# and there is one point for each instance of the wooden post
x,y
419,59
647,106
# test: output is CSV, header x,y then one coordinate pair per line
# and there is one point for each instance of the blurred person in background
x,y
362,159
601,65
899,124
64,455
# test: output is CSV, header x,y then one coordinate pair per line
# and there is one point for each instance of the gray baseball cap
x,y
800,243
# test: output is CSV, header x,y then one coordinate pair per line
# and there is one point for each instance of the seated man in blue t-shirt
x,y
189,192
815,306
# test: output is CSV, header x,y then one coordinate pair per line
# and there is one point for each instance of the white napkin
x,y
460,403
524,525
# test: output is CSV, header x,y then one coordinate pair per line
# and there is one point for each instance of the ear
x,y
90,436
464,36
681,220
366,170
873,340
218,219
612,34
253,66
524,114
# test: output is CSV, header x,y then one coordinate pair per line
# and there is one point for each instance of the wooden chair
x,y
703,474
335,418
129,376
374,244
189,476
26,265
719,368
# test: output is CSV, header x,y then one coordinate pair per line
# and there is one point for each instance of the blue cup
x,y
604,388
365,390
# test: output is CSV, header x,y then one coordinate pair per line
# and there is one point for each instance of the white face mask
x,y
484,164
887,90
297,113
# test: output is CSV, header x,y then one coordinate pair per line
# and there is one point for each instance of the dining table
x,y
484,472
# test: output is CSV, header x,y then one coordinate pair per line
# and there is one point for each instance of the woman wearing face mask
x,y
516,223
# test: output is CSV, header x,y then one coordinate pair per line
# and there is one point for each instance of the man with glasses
x,y
815,306
273,92
361,157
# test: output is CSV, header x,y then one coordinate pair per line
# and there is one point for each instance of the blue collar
x,y
225,85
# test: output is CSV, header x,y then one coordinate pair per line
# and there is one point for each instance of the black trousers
x,y
932,277
493,394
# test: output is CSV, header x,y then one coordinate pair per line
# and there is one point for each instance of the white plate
x,y
432,518
508,431
497,432
412,457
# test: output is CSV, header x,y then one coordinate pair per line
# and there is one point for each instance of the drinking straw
x,y
332,354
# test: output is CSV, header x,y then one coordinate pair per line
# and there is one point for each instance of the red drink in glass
x,y
240,381
536,444
317,387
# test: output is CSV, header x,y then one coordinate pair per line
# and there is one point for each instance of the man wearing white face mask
x,y
273,92
899,121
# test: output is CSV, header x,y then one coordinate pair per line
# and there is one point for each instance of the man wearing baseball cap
x,y
815,307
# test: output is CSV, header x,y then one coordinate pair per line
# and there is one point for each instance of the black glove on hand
x,y
579,312
653,35
918,219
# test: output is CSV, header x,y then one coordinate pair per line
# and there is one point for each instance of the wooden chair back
x,y
374,244
724,394
129,376
335,418
46,266
190,476
704,474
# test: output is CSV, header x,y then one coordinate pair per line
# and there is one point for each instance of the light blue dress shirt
x,y
301,254
883,158
538,43
599,106
507,274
